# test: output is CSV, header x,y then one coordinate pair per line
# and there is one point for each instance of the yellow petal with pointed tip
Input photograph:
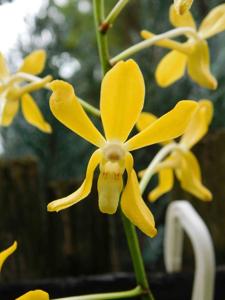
x,y
122,99
185,20
189,174
67,109
169,126
134,207
198,66
165,184
4,71
34,295
214,22
6,253
171,68
145,120
84,189
33,115
34,63
9,111
182,6
199,124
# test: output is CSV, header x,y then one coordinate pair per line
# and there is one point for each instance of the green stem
x,y
110,19
104,296
153,164
102,41
136,256
89,108
34,86
154,40
130,230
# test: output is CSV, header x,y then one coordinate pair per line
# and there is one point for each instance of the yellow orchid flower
x,y
122,99
192,55
6,253
181,160
15,86
34,295
182,6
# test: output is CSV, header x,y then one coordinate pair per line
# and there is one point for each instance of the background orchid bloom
x,y
34,295
12,88
6,253
192,55
122,99
182,6
182,161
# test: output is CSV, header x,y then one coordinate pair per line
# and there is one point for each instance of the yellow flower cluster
x,y
181,160
13,87
193,54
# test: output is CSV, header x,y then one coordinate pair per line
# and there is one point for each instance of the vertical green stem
x,y
129,228
136,256
98,6
110,19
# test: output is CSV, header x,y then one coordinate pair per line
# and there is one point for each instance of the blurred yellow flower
x,y
194,53
181,160
182,6
13,87
6,253
122,99
34,295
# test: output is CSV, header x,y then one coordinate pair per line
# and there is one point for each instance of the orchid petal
x,y
182,6
10,109
6,253
177,20
199,124
169,126
171,68
34,63
122,99
165,184
145,120
214,22
134,207
199,65
34,295
84,189
189,175
67,109
33,115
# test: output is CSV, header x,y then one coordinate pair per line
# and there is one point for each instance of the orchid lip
x,y
113,151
